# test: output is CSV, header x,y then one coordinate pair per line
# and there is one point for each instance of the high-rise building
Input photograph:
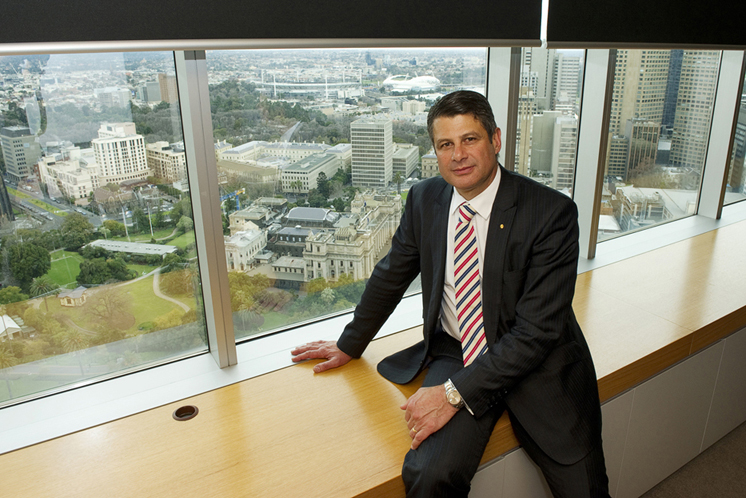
x,y
640,78
640,82
542,138
567,71
736,175
697,86
405,159
526,110
113,96
166,161
120,153
167,84
564,151
20,151
372,151
672,89
149,92
539,63
642,136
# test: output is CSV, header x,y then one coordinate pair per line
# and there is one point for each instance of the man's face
x,y
466,153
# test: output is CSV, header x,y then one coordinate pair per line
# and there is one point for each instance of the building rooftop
x,y
301,214
133,247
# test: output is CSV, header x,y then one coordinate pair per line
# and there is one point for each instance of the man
x,y
497,254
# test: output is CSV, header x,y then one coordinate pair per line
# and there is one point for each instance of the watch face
x,y
454,398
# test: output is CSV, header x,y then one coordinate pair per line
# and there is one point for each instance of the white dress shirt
x,y
482,204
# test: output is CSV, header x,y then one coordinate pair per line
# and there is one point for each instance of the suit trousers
x,y
445,463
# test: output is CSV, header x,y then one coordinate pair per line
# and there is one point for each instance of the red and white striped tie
x,y
468,288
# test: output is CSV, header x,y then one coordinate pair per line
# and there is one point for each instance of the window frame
x,y
81,407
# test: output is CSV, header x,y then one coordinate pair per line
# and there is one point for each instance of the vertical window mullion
x,y
724,117
592,142
191,71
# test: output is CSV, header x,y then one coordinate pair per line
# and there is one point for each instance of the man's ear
x,y
497,140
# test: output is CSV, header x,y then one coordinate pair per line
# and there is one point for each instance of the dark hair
x,y
463,102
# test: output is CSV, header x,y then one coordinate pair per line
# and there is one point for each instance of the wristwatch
x,y
453,396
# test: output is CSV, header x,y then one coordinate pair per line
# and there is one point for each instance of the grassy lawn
x,y
65,267
273,320
141,268
36,202
145,237
145,306
182,240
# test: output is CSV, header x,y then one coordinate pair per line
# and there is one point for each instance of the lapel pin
x,y
502,226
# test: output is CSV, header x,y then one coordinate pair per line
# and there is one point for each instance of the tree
x,y
100,271
73,341
141,220
398,179
322,185
28,261
76,231
116,228
185,224
41,286
108,306
7,360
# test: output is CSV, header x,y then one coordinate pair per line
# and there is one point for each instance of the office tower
x,y
640,78
542,138
526,109
539,62
20,150
169,92
149,92
564,150
691,130
736,176
167,162
642,136
372,151
405,159
616,157
567,70
672,89
113,97
120,153
640,82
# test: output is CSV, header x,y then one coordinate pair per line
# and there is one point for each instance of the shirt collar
x,y
482,203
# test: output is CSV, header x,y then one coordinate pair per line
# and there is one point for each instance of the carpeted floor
x,y
718,472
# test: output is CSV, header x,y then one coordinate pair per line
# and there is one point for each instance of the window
x,y
99,258
658,136
345,117
548,116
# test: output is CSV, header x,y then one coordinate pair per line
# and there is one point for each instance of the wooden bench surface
x,y
342,434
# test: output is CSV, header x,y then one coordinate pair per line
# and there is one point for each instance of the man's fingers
x,y
326,365
419,437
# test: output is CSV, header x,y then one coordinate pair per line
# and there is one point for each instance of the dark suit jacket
x,y
538,362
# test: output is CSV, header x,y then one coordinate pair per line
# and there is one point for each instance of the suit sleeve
x,y
388,282
542,292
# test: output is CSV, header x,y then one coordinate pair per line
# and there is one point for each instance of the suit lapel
x,y
438,249
501,222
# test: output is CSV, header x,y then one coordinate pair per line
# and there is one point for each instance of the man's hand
x,y
321,349
427,411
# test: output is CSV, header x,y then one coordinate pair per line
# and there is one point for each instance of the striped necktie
x,y
468,288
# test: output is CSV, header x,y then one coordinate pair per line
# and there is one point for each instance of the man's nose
x,y
458,152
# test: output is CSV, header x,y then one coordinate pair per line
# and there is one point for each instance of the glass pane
x,y
98,255
316,151
548,116
660,123
736,187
